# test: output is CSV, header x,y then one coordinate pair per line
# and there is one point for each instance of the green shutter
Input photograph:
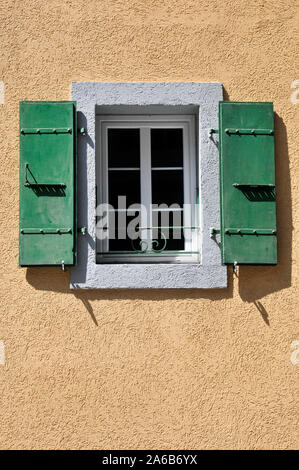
x,y
47,183
247,182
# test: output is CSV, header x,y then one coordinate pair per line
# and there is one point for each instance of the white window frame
x,y
190,219
198,98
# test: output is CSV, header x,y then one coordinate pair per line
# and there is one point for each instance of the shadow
x,y
255,282
215,137
225,94
259,194
263,312
50,190
55,280
84,144
215,140
82,123
42,189
85,300
214,238
89,240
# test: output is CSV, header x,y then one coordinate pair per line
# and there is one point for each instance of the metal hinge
x,y
231,131
213,131
45,231
40,130
249,231
213,232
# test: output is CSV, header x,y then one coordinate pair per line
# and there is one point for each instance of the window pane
x,y
172,244
124,183
121,238
126,244
167,187
168,238
123,148
167,147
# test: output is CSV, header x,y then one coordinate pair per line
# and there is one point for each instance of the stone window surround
x,y
182,97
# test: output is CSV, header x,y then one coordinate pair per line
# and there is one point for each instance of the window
x,y
171,104
144,168
147,207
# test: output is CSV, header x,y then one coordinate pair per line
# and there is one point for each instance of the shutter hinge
x,y
250,231
45,231
60,130
231,131
213,232
82,230
213,131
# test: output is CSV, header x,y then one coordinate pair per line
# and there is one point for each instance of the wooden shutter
x,y
47,183
247,172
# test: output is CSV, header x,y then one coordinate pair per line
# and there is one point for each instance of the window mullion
x,y
146,185
104,187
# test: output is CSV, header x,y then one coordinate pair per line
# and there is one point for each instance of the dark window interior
x,y
167,182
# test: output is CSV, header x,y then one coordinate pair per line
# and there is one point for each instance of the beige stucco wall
x,y
150,369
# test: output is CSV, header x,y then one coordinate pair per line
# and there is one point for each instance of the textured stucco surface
x,y
204,97
150,369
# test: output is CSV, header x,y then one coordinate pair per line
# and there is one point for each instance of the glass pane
x,y
124,183
172,243
126,244
121,238
123,148
168,238
167,187
167,147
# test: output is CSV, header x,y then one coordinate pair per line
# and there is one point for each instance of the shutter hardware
x,y
36,184
243,131
213,232
252,186
243,231
60,130
249,131
47,130
249,231
45,231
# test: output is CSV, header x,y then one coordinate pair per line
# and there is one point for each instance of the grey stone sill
x,y
152,276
